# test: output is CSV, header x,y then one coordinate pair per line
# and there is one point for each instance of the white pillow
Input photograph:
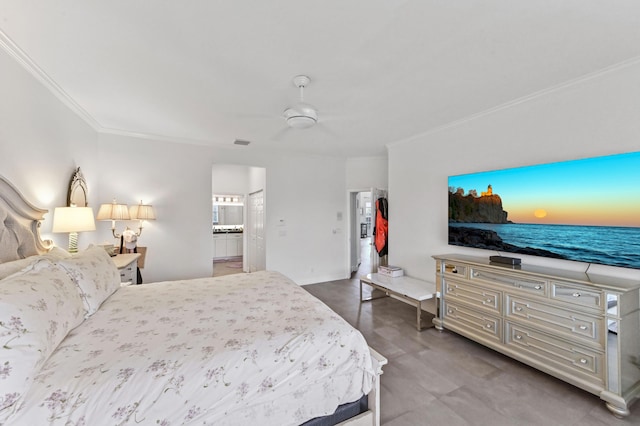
x,y
56,253
11,268
95,275
38,308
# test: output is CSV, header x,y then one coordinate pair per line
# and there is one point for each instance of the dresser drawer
x,y
557,320
129,273
564,355
476,296
461,318
578,295
530,285
455,270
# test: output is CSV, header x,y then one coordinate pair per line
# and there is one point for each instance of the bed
x,y
76,348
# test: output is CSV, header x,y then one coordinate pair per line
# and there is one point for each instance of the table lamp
x,y
113,211
73,220
141,212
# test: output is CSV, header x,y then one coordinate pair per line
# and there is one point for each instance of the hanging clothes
x,y
382,226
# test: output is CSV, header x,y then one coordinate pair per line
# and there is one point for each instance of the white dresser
x,y
581,328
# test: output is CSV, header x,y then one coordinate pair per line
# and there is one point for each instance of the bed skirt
x,y
342,413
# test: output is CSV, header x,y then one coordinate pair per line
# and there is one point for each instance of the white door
x,y
355,231
256,245
376,260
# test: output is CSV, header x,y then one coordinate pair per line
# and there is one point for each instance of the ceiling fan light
x,y
301,121
302,116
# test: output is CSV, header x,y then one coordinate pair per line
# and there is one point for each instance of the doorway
x,y
364,258
228,229
238,243
361,230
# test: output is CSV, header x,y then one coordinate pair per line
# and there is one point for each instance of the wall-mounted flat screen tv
x,y
584,210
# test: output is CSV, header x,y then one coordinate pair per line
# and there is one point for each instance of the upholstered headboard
x,y
19,225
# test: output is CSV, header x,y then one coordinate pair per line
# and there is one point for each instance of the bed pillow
x,y
11,268
56,253
95,275
38,308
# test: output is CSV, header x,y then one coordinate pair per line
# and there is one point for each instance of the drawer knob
x,y
489,326
489,300
583,327
450,311
449,288
519,308
476,274
538,287
518,336
576,294
583,361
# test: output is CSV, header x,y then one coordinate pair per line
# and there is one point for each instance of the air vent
x,y
241,142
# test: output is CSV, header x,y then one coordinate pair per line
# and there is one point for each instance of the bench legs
x,y
369,299
387,293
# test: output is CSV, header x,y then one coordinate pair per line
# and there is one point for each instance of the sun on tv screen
x,y
584,210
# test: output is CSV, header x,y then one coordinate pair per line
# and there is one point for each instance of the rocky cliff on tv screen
x,y
585,210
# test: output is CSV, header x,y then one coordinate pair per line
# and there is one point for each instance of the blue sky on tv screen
x,y
601,191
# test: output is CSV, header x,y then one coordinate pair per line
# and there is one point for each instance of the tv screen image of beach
x,y
585,210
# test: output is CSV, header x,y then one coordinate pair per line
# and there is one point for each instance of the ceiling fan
x,y
301,115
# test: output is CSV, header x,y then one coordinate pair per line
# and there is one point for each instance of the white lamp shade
x,y
142,212
113,211
73,219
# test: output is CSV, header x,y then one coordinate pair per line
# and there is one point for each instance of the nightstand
x,y
127,264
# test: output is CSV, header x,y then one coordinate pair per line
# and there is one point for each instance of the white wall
x,y
41,144
257,180
176,178
367,172
596,116
230,179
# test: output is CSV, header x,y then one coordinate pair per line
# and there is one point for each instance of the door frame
x,y
353,232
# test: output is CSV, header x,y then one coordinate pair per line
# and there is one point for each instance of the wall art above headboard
x,y
77,194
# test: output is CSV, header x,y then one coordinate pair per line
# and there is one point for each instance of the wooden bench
x,y
407,289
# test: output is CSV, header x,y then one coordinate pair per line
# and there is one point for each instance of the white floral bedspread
x,y
236,350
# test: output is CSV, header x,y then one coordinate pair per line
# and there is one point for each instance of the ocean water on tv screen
x,y
607,245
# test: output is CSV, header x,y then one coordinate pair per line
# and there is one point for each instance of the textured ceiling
x,y
209,72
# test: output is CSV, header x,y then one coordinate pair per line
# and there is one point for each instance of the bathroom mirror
x,y
229,215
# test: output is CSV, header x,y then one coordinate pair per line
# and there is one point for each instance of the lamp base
x,y
73,242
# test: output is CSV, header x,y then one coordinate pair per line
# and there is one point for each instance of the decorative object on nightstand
x,y
113,212
130,239
73,220
141,212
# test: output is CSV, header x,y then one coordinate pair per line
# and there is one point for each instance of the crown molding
x,y
27,63
164,138
524,99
